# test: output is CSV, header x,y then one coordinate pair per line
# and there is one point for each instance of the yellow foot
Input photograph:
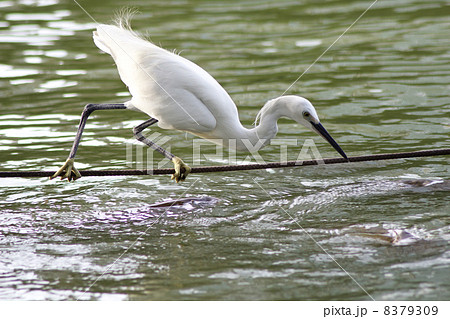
x,y
68,171
181,169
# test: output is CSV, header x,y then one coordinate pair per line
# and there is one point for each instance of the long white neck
x,y
259,136
232,134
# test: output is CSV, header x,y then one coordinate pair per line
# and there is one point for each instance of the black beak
x,y
323,132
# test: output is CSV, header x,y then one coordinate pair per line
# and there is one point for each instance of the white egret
x,y
179,95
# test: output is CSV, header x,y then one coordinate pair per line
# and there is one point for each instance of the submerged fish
x,y
438,184
194,201
394,236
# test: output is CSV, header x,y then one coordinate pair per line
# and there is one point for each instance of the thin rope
x,y
228,168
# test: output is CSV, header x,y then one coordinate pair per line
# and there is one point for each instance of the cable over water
x,y
228,168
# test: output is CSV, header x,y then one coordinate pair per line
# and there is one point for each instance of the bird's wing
x,y
177,92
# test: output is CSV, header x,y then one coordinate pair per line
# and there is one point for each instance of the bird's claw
x,y
68,171
181,170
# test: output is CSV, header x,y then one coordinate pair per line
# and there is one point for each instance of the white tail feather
x,y
100,44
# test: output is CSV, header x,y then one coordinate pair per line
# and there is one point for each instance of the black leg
x,y
137,131
88,109
181,169
68,170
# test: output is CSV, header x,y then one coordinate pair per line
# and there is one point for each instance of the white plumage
x,y
178,94
182,96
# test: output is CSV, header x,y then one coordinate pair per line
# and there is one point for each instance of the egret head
x,y
302,111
